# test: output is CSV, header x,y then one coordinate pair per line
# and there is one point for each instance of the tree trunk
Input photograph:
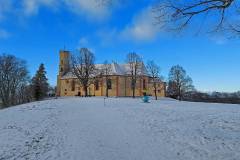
x,y
133,87
107,91
179,94
106,87
155,92
86,91
134,92
6,101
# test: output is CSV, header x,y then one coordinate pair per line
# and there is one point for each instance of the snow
x,y
125,129
115,69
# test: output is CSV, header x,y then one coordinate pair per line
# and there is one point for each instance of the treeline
x,y
213,97
16,85
180,86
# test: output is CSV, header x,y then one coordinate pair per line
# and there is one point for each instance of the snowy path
x,y
124,129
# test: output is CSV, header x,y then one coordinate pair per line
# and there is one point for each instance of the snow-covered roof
x,y
114,69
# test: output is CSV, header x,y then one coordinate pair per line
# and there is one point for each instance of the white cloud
x,y
4,34
142,27
219,39
108,36
31,7
20,9
88,8
83,42
5,6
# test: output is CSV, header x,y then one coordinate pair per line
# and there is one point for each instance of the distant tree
x,y
40,84
52,91
25,93
213,97
135,64
83,67
13,75
172,89
180,82
154,72
106,71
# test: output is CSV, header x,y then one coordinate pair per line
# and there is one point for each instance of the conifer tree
x,y
40,83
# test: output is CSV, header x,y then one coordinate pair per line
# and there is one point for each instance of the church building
x,y
119,81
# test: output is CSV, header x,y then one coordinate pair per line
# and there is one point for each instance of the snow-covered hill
x,y
124,129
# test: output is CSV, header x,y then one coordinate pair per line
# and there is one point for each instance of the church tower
x,y
64,67
64,62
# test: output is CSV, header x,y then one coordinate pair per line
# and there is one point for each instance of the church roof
x,y
115,69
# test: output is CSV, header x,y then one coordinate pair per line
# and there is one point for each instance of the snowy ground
x,y
124,129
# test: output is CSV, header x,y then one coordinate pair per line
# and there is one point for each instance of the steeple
x,y
64,62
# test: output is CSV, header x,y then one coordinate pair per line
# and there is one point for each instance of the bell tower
x,y
64,62
64,67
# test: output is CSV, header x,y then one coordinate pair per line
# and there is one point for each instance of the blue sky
x,y
35,30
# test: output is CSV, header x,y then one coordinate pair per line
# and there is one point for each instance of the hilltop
x,y
124,128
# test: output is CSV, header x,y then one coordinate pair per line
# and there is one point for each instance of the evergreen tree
x,y
40,83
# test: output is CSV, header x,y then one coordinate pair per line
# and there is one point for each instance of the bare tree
x,y
135,65
180,82
83,67
106,71
154,72
25,93
177,15
13,75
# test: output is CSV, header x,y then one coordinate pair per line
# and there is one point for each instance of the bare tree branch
x,y
177,15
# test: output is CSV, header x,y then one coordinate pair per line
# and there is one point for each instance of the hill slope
x,y
85,129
